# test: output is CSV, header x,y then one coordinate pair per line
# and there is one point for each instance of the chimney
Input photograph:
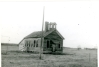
x,y
46,26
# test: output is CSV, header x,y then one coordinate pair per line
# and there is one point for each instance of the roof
x,y
38,34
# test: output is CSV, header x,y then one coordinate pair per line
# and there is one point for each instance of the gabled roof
x,y
38,34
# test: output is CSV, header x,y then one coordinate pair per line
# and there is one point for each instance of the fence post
x,y
89,57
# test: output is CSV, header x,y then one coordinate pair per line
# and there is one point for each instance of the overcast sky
x,y
77,21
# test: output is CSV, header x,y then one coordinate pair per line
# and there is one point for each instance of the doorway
x,y
53,47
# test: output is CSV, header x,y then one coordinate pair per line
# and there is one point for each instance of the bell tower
x,y
50,26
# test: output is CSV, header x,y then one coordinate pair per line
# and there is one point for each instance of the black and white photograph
x,y
49,34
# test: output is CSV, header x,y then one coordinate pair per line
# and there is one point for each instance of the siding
x,y
56,39
29,45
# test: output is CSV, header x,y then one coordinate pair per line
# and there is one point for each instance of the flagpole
x,y
41,47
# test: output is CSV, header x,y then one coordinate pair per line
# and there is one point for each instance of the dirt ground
x,y
11,57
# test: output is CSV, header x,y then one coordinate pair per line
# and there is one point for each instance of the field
x,y
71,57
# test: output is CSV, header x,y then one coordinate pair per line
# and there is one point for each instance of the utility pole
x,y
42,38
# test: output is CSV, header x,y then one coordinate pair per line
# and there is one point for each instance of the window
x,y
37,43
28,43
48,44
34,43
31,44
59,45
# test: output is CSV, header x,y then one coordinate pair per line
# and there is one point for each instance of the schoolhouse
x,y
52,40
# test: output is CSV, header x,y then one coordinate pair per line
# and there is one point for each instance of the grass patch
x,y
69,58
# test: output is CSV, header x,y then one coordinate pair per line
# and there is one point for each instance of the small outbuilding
x,y
52,40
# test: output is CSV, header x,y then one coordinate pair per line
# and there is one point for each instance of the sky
x,y
77,21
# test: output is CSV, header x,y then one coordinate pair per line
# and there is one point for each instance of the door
x,y
53,47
